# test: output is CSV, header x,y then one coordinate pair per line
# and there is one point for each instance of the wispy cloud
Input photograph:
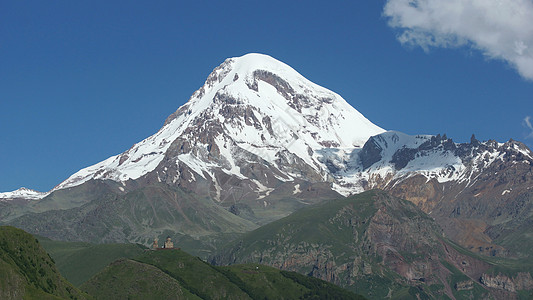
x,y
500,29
527,124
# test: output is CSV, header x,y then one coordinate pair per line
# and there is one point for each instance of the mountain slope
x,y
371,243
139,216
248,142
26,270
479,192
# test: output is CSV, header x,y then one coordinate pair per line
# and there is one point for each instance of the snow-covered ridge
x,y
391,157
22,193
434,162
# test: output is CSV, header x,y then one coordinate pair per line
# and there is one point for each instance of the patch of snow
x,y
296,189
194,163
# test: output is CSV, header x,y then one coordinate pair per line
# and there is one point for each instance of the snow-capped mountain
x,y
257,123
251,109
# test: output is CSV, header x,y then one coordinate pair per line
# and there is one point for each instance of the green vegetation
x,y
174,274
128,279
60,200
79,261
313,224
261,282
500,265
319,289
27,271
525,295
193,274
478,292
341,241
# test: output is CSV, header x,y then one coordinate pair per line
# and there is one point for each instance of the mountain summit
x,y
251,109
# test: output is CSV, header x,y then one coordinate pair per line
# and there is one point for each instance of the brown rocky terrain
x,y
479,214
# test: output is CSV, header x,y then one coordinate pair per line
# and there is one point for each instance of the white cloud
x,y
500,29
527,124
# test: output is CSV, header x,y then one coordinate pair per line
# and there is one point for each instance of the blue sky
x,y
84,80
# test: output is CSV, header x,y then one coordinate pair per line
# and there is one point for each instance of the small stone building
x,y
168,243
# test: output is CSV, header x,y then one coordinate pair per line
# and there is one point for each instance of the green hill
x,y
174,274
28,272
128,279
79,261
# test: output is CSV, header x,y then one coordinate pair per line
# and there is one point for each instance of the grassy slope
x,y
171,273
505,266
194,274
26,270
261,282
305,225
519,239
79,261
165,274
58,200
128,279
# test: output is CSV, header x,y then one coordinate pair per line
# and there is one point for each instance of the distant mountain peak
x,y
23,193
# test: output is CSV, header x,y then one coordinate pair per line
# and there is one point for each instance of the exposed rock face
x,y
480,211
464,285
522,281
371,152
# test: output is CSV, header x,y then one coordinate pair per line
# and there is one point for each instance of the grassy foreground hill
x,y
174,274
79,261
28,272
